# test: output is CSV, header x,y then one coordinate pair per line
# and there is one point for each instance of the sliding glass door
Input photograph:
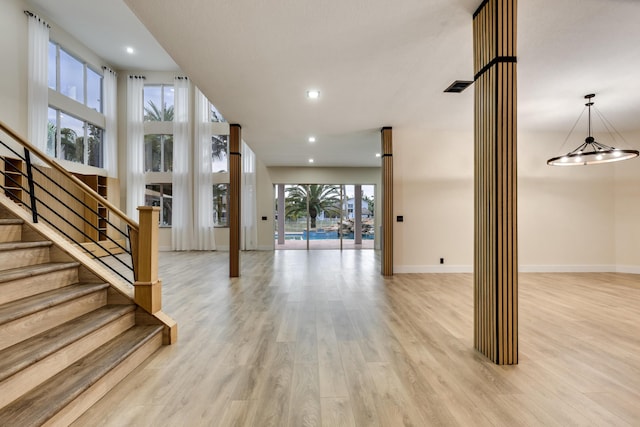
x,y
323,216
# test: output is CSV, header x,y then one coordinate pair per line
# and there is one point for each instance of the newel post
x,y
147,287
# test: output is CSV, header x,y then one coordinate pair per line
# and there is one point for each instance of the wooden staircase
x,y
66,336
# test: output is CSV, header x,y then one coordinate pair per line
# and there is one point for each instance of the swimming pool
x,y
320,235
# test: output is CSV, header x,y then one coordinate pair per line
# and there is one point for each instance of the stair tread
x,y
22,355
10,246
11,221
43,402
35,270
26,306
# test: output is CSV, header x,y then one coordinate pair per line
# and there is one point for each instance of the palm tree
x,y
95,145
153,113
218,147
52,130
72,145
321,198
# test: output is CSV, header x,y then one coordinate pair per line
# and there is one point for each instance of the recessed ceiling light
x,y
130,50
312,139
313,94
378,155
310,160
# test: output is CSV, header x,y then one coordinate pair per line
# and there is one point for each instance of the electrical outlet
x,y
441,260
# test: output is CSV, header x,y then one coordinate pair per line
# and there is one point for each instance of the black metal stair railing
x,y
73,218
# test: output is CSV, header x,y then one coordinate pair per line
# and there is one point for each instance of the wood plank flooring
x,y
321,339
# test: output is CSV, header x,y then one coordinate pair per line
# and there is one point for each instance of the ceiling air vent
x,y
458,86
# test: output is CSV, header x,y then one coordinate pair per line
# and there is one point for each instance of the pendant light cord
x,y
589,104
571,131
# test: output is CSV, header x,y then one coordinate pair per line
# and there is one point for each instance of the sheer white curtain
x,y
37,87
135,145
203,178
110,108
181,218
248,202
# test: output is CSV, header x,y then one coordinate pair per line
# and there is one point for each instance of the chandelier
x,y
592,152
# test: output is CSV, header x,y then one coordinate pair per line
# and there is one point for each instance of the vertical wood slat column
x,y
235,173
387,202
495,193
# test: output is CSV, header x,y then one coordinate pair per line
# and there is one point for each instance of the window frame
x,y
163,154
225,212
58,154
85,67
162,87
162,197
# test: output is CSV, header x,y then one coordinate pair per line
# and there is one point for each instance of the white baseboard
x,y
435,268
632,269
567,269
168,249
265,248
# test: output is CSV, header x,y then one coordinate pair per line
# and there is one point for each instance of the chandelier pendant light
x,y
592,152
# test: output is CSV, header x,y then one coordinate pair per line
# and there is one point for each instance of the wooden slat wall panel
x,y
387,202
495,194
235,173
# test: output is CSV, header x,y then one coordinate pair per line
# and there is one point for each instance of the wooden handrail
x,y
45,158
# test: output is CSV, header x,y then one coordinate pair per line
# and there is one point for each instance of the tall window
x,y
158,103
215,114
220,203
219,153
73,78
160,195
72,139
158,153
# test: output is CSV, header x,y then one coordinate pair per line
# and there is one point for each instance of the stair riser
x,y
28,286
23,257
18,384
10,233
28,326
87,399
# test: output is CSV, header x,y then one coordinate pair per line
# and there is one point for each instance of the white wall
x,y
265,206
433,191
570,219
13,66
565,213
627,210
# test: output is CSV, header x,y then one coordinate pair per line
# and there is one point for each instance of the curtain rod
x,y
105,68
33,15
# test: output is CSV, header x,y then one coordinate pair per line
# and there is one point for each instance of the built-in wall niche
x,y
65,199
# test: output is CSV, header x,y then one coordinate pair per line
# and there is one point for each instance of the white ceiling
x,y
376,62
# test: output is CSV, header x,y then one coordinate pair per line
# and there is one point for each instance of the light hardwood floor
x,y
321,339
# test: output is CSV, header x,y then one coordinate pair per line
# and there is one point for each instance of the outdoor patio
x,y
325,244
